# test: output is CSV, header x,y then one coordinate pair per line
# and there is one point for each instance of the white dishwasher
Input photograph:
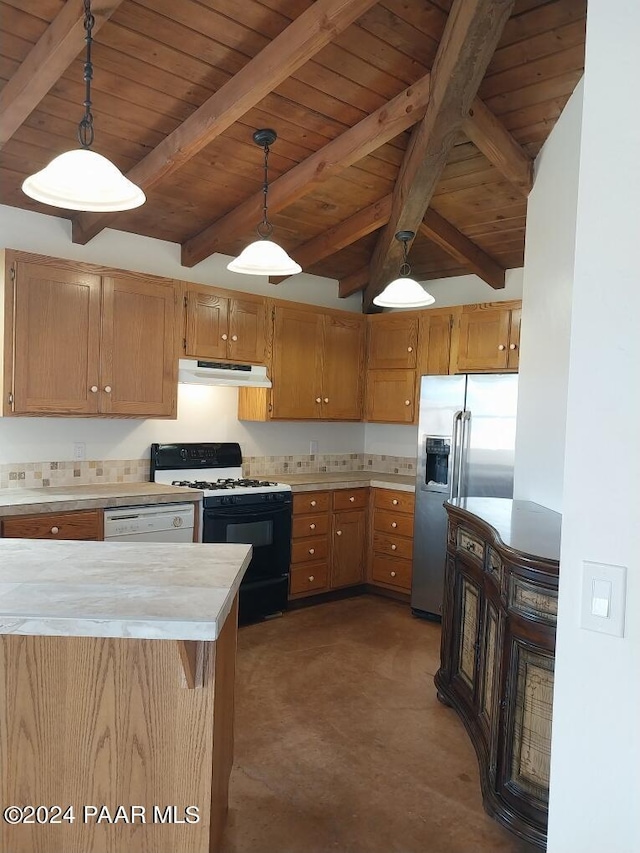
x,y
158,523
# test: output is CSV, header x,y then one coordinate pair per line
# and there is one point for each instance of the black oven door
x,y
266,528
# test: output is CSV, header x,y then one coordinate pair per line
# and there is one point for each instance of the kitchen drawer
x,y
392,571
310,525
311,502
309,578
470,542
394,500
86,524
393,522
394,546
307,550
349,498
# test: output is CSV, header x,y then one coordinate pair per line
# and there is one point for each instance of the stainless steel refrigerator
x,y
466,442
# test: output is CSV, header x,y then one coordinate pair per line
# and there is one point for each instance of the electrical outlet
x,y
313,447
79,451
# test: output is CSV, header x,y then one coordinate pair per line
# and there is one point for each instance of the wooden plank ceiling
x,y
180,86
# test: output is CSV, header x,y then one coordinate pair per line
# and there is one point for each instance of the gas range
x,y
215,469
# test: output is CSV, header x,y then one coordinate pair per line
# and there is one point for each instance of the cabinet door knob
x,y
312,527
338,532
326,399
55,529
311,578
407,402
94,389
501,347
394,523
513,346
107,389
352,498
393,574
234,337
394,547
318,399
224,337
312,550
409,349
395,502
313,503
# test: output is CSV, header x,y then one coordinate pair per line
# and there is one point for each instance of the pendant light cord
x,y
405,269
265,228
85,128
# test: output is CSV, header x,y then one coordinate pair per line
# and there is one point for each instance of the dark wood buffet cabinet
x,y
498,644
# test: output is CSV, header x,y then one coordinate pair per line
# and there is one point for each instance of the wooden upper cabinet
x,y
137,362
297,364
513,362
83,343
342,367
55,341
220,327
391,396
434,347
482,338
393,342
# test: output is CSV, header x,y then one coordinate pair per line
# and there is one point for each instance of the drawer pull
x,y
312,527
394,547
313,503
501,347
224,337
470,546
234,337
311,578
326,399
407,402
107,388
318,399
312,550
55,529
338,532
394,523
94,389
395,502
393,574
409,349
352,499
513,346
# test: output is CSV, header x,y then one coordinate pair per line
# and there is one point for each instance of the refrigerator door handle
x,y
465,418
457,420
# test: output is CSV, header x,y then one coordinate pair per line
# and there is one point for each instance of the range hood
x,y
218,373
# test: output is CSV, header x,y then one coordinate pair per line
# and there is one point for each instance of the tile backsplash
x,y
33,475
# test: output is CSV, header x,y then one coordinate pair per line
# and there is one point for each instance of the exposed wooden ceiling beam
x,y
45,63
462,248
466,47
353,283
344,234
496,143
360,140
303,38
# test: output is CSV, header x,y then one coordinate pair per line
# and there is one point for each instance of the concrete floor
x,y
341,744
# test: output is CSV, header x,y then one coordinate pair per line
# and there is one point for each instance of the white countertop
x,y
153,591
95,496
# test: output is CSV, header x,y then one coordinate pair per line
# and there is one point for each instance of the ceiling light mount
x,y
264,256
404,292
82,179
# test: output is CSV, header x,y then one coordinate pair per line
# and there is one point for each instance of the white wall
x,y
595,757
51,235
467,289
546,313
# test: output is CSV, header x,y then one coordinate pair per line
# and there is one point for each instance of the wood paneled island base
x,y
104,722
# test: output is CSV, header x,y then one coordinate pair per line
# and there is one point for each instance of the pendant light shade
x,y
264,256
404,292
82,179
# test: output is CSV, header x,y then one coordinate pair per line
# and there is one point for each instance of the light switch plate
x,y
604,594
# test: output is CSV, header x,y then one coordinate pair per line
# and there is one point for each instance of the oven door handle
x,y
231,512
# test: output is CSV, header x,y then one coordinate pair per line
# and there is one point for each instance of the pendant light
x,y
264,256
82,179
404,292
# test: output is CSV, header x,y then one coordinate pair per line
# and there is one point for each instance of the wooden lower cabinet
x,y
391,544
497,655
329,535
83,524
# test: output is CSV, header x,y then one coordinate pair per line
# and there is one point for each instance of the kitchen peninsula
x,y
117,666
